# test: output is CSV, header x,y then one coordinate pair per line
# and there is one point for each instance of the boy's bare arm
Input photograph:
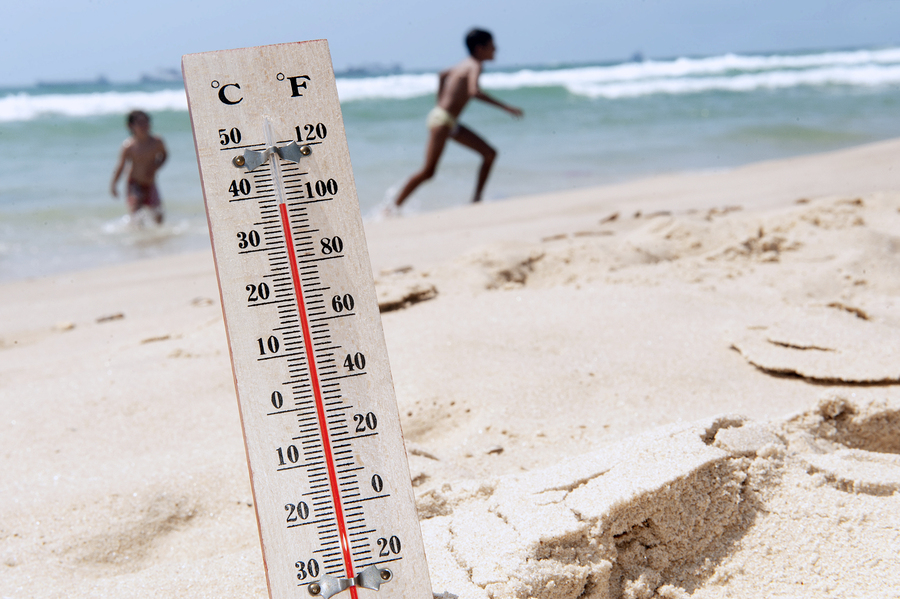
x,y
475,92
442,79
516,112
123,158
161,155
473,72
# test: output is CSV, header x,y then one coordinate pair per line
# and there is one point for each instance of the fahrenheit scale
x,y
328,468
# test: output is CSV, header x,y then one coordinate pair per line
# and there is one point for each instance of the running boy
x,y
146,153
457,86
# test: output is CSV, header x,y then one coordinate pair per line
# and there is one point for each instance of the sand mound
x,y
720,244
706,508
825,345
402,287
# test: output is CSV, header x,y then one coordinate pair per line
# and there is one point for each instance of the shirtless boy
x,y
457,86
146,153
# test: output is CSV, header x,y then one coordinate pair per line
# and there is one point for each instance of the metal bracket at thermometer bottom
x,y
370,578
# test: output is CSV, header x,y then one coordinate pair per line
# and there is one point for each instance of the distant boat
x,y
100,81
162,76
370,70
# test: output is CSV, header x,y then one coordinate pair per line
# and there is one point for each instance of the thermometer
x,y
328,468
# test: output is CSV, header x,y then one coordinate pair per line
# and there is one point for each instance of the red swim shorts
x,y
140,195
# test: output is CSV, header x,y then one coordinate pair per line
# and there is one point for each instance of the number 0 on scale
x,y
328,468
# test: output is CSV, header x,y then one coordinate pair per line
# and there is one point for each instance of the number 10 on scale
x,y
329,472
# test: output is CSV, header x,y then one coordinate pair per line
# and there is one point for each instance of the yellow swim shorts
x,y
438,117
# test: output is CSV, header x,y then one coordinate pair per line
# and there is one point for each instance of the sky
x,y
71,40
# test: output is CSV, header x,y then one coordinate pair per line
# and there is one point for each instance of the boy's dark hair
x,y
476,38
135,115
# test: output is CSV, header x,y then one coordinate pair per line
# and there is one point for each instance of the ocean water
x,y
584,125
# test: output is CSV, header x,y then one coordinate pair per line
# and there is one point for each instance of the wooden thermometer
x,y
329,472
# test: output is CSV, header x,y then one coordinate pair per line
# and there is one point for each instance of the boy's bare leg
x,y
437,139
134,202
470,139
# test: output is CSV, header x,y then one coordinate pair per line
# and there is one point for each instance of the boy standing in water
x,y
147,153
457,86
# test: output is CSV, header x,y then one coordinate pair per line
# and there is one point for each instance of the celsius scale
x,y
329,472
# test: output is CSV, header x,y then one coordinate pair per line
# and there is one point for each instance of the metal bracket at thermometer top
x,y
328,468
253,159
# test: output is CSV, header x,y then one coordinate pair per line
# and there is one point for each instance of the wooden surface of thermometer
x,y
329,471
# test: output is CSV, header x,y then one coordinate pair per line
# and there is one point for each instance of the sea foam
x,y
864,76
23,106
685,75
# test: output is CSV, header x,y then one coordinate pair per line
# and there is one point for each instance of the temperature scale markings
x,y
284,412
260,145
313,350
256,304
317,392
276,357
304,523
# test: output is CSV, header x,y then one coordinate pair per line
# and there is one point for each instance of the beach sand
x,y
683,386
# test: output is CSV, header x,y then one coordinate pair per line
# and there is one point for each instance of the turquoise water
x,y
584,125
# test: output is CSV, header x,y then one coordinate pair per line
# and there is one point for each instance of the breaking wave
x,y
728,72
